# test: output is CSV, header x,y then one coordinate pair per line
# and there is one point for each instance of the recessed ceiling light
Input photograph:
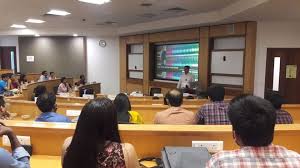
x,y
34,21
37,35
97,2
58,12
75,35
18,26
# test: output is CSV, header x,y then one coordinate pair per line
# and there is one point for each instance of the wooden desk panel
x,y
79,100
148,140
50,84
95,86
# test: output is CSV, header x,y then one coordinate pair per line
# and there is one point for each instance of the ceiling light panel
x,y
58,12
97,2
34,21
18,26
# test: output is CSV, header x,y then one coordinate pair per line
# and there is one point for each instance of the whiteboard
x,y
233,63
135,62
227,80
136,75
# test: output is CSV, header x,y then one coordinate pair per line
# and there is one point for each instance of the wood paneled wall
x,y
203,35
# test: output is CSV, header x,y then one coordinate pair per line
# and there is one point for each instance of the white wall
x,y
103,64
11,41
272,35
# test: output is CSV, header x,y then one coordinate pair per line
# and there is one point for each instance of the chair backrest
x,y
55,89
154,91
83,91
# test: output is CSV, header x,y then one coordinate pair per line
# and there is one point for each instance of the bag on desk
x,y
185,157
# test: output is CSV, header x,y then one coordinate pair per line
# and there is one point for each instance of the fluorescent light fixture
x,y
97,2
37,35
75,35
58,12
18,26
34,21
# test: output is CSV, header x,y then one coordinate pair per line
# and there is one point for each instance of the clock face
x,y
102,43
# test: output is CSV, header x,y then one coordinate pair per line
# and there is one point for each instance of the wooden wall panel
x,y
134,39
204,57
123,65
146,64
180,35
225,30
134,86
250,52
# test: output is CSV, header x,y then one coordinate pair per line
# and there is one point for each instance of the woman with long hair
x,y
64,86
124,112
96,142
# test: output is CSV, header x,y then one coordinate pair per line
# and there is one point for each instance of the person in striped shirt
x,y
253,120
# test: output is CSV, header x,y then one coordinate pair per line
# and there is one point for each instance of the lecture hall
x,y
176,84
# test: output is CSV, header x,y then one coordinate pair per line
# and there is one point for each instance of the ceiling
x,y
130,17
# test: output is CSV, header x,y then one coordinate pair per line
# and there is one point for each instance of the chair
x,y
154,91
83,91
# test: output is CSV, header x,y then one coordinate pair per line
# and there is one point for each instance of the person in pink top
x,y
64,86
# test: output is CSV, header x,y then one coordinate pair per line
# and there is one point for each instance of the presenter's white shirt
x,y
185,80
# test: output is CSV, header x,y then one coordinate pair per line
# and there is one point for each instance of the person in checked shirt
x,y
215,112
253,120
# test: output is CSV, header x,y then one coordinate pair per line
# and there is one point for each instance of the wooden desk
x,y
43,161
22,107
148,140
33,76
50,84
5,71
80,100
95,86
148,112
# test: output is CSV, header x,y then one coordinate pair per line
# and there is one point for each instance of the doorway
x,y
282,73
8,58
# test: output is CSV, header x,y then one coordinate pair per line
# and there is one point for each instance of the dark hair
x,y
253,120
46,102
51,73
22,78
276,99
81,76
2,101
123,107
96,125
62,79
39,90
43,73
4,76
216,93
188,67
175,97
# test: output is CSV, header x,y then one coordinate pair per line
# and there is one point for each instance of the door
x,y
282,73
8,58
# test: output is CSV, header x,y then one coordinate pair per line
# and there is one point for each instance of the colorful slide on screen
x,y
171,59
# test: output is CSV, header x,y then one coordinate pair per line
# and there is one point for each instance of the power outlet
x,y
211,146
24,140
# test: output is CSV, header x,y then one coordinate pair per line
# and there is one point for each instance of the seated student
x,y
52,76
96,141
4,114
43,77
3,83
81,81
124,113
39,90
283,117
64,86
19,158
175,114
47,104
214,113
14,83
253,120
23,79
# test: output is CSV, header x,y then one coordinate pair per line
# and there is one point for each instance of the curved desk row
x,y
148,112
148,140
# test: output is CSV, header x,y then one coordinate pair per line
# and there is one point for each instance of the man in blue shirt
x,y
43,77
3,83
47,105
19,157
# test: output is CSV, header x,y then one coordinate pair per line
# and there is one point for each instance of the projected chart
x,y
171,59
